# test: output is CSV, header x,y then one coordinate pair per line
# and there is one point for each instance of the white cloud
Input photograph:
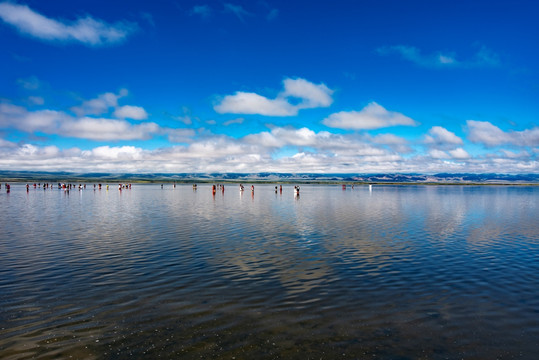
x,y
106,129
310,95
441,136
17,117
486,133
234,121
203,11
7,144
322,142
60,123
131,112
484,57
88,30
459,153
237,10
36,100
513,155
396,143
323,153
251,103
100,105
389,139
280,137
31,83
114,153
414,55
180,135
187,117
372,116
490,135
438,154
38,152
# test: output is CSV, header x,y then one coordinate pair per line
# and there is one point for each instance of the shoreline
x,y
447,179
259,182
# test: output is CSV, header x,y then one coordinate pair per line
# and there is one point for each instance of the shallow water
x,y
404,272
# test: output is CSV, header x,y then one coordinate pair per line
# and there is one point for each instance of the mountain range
x,y
441,178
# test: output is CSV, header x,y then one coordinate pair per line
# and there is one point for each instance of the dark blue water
x,y
399,272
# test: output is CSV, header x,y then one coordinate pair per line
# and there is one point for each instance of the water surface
x,y
397,272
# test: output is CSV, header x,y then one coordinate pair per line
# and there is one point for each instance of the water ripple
x,y
396,272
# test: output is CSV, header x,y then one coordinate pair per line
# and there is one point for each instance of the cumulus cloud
x,y
320,152
438,154
131,112
310,96
17,117
513,155
114,153
459,153
7,144
484,57
251,103
100,105
350,147
389,139
490,135
180,135
372,116
441,136
106,129
279,137
87,30
60,123
395,142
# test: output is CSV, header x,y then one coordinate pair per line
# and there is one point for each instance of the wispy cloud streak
x,y
484,57
87,30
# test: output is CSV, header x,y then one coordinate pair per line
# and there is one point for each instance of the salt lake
x,y
405,272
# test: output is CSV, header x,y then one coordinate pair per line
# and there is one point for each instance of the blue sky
x,y
279,86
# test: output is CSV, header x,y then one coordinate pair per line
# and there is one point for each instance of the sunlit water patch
x,y
396,272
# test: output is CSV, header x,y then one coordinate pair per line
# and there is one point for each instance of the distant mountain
x,y
443,178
